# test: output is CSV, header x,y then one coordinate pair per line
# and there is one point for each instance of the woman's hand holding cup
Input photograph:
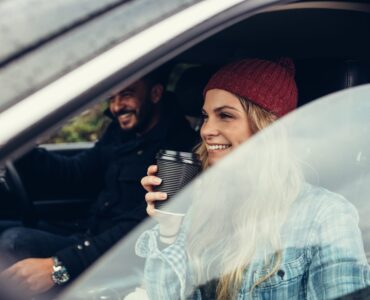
x,y
149,182
168,224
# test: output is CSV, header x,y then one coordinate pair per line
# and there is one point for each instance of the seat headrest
x,y
317,78
189,89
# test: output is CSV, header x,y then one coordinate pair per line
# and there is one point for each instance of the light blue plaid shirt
x,y
330,263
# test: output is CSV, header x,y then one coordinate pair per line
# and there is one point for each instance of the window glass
x,y
288,208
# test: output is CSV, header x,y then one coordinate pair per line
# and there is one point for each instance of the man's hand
x,y
33,275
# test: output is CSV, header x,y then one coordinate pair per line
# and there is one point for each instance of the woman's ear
x,y
156,93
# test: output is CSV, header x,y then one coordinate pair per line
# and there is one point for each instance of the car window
x,y
85,127
86,29
318,157
89,125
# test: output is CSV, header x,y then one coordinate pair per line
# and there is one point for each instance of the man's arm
x,y
34,275
48,173
80,256
51,173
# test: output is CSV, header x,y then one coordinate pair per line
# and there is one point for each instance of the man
x,y
141,126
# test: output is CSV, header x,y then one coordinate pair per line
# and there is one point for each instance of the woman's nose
x,y
209,128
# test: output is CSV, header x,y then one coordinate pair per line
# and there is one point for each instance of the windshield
x,y
289,203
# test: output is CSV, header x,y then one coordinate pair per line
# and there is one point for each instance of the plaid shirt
x,y
329,262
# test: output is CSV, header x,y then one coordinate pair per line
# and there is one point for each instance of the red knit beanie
x,y
268,84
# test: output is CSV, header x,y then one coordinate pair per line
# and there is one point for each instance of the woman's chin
x,y
215,157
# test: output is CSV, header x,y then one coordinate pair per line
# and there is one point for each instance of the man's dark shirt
x,y
116,165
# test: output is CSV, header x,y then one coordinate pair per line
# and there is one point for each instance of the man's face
x,y
133,107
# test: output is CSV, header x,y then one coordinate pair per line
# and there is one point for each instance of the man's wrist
x,y
60,274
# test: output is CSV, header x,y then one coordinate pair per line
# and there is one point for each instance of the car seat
x,y
189,92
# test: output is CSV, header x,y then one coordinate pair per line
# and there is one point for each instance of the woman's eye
x,y
225,116
204,117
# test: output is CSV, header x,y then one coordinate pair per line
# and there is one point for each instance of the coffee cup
x,y
176,169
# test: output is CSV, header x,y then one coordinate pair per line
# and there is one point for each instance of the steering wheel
x,y
16,186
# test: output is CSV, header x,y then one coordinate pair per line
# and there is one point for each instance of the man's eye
x,y
120,95
125,94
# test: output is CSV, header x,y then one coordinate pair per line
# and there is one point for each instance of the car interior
x,y
328,41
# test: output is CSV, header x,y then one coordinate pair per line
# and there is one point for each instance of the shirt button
x,y
106,203
140,152
79,247
87,243
281,274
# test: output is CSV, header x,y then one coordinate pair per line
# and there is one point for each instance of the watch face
x,y
60,275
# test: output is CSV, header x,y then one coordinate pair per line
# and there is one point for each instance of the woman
x,y
285,239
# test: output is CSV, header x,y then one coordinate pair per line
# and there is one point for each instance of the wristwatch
x,y
60,274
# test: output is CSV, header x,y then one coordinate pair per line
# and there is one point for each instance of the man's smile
x,y
126,116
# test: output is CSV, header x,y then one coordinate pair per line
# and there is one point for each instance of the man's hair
x,y
158,76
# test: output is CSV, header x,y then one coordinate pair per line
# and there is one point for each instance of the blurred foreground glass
x,y
263,202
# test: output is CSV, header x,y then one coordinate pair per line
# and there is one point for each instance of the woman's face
x,y
225,124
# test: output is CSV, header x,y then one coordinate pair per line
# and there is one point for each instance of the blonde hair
x,y
260,218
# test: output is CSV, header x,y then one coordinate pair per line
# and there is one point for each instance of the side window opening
x,y
85,127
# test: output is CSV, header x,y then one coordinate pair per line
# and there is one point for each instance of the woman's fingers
x,y
150,209
155,196
150,198
152,170
148,182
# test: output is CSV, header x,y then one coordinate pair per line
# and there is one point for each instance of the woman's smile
x,y
217,147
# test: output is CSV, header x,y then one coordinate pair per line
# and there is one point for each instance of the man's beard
x,y
143,115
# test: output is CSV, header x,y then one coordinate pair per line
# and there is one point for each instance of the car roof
x,y
55,37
